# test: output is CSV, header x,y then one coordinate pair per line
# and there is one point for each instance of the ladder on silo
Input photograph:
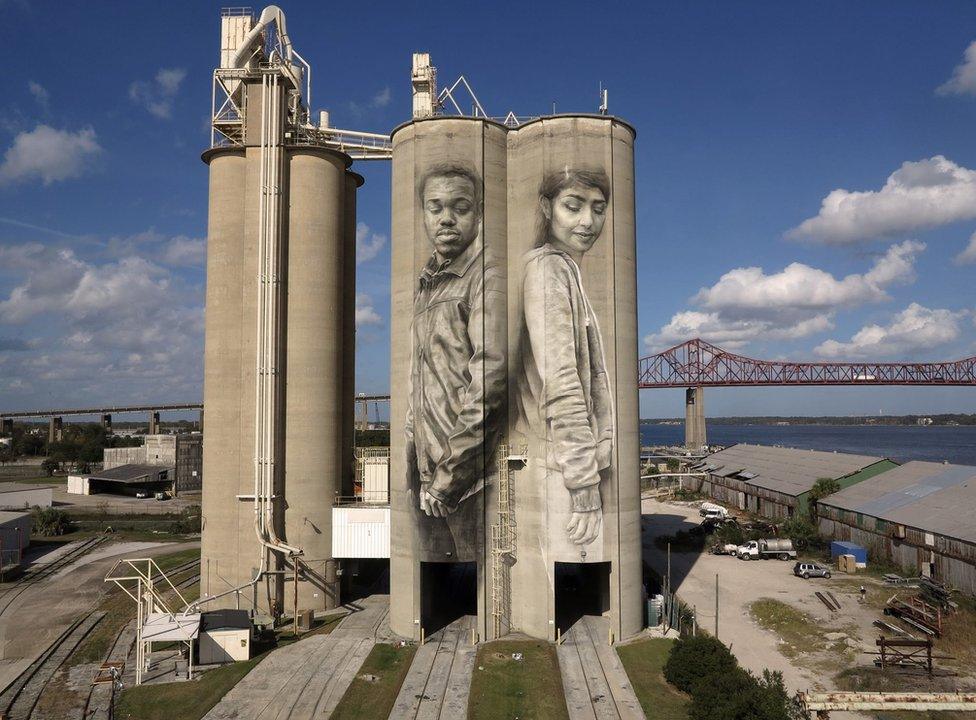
x,y
503,542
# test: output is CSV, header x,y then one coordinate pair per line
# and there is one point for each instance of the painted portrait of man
x,y
458,376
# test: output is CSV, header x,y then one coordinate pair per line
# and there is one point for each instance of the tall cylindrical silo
x,y
314,363
230,551
353,182
448,367
573,394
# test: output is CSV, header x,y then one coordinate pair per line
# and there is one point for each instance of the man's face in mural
x,y
452,214
576,216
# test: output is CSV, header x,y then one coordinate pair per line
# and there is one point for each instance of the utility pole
x,y
296,595
716,606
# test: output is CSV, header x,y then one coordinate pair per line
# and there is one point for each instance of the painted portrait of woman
x,y
564,390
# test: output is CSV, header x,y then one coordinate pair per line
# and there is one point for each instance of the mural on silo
x,y
458,368
566,402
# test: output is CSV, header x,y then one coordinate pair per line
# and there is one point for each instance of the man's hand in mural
x,y
584,526
434,507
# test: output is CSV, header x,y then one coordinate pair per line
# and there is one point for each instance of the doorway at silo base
x,y
448,591
581,589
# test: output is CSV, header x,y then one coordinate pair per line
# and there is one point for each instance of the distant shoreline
x,y
943,420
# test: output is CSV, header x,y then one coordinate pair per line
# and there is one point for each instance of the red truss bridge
x,y
697,363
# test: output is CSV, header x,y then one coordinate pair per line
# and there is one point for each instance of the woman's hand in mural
x,y
434,507
583,527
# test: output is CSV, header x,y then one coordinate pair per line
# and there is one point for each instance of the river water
x,y
899,443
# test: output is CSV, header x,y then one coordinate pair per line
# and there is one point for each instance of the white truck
x,y
713,511
761,549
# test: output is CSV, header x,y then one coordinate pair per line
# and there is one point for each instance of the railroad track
x,y
41,572
18,699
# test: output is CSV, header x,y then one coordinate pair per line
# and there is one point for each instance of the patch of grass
x,y
798,632
182,700
529,689
644,661
374,698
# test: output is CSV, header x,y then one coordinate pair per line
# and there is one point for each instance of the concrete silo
x,y
278,320
547,390
573,334
448,366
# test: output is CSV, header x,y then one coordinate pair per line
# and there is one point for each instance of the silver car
x,y
807,570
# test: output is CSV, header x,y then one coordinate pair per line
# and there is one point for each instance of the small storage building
x,y
124,480
15,530
19,496
918,516
775,482
225,636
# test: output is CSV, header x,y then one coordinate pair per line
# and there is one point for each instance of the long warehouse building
x,y
918,516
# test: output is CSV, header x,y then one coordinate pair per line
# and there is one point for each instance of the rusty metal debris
x,y
824,703
830,605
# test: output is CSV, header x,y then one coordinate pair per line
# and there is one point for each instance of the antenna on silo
x,y
603,100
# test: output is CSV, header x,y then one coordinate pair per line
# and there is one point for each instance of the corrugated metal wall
x,y
359,532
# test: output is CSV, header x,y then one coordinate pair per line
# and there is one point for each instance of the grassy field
x,y
374,698
799,633
528,689
644,662
182,700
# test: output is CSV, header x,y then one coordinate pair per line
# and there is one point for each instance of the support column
x,y
153,423
200,423
107,424
55,430
695,435
7,427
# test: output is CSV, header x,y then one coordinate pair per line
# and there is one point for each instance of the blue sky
x,y
806,178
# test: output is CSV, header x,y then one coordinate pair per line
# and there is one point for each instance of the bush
x,y
802,532
50,521
50,466
696,658
738,695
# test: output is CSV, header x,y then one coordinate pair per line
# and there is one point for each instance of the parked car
x,y
767,548
807,570
142,494
711,510
162,495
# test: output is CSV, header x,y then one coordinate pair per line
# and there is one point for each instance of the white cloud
x,y
968,256
380,100
186,252
126,318
921,194
157,95
368,243
963,80
800,286
365,313
40,93
748,304
49,155
914,330
730,333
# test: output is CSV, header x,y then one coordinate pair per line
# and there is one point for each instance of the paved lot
x,y
121,504
741,583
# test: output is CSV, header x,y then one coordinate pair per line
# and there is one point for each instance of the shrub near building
x,y
721,690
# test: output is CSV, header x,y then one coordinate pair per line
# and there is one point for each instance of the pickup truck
x,y
756,549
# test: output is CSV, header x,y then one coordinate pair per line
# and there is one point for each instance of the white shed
x,y
225,636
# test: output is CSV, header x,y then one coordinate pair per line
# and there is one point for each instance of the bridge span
x,y
697,364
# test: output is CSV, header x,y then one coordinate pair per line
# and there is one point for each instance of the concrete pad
x,y
439,680
307,679
595,684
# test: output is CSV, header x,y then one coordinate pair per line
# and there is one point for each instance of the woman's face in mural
x,y
451,214
576,216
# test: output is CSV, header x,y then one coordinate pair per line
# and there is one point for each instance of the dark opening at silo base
x,y
364,577
448,591
581,589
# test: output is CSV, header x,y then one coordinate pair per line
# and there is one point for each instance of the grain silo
x,y
279,328
572,309
448,365
527,353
